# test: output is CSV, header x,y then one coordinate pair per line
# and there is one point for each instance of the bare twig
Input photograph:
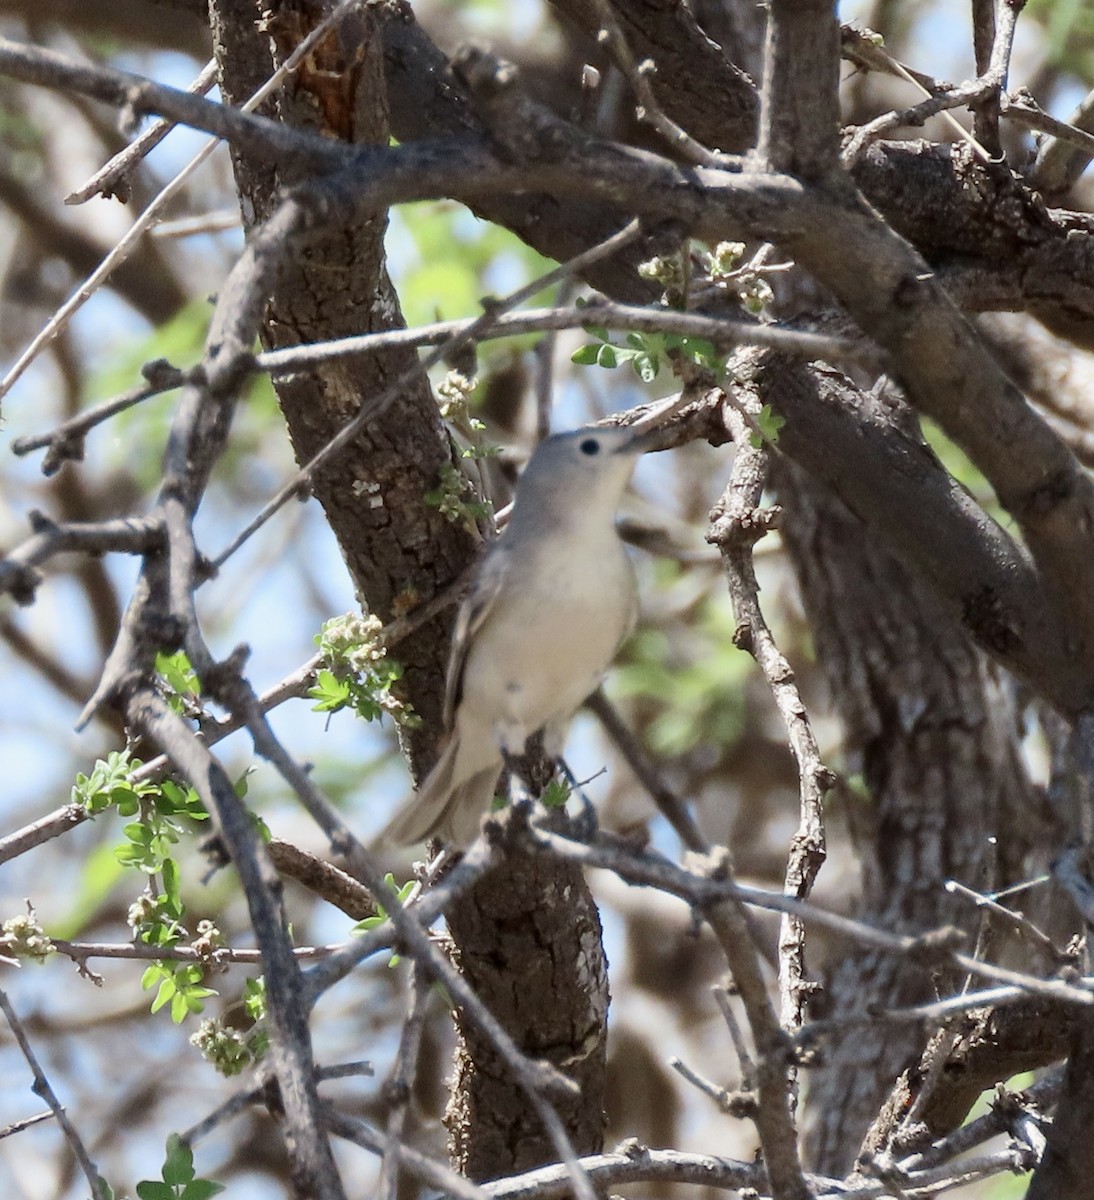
x,y
860,47
80,952
52,70
748,1066
917,114
41,1088
737,523
1036,937
398,1087
26,1123
638,76
66,441
734,1104
109,180
928,949
18,576
774,1113
1061,159
670,805
725,333
437,1175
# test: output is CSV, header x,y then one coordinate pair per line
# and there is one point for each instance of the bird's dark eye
x,y
590,446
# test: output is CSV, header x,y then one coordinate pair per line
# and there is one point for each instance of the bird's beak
x,y
648,437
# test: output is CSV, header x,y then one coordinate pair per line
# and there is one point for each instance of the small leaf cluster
x,y
24,937
555,794
456,500
179,682
751,288
455,396
232,1050
159,807
179,1179
358,673
156,916
768,427
179,984
381,914
647,352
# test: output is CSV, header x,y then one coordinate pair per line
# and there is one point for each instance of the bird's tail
x,y
451,811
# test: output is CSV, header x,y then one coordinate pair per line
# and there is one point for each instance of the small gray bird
x,y
551,602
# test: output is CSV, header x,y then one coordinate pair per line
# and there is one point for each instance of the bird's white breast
x,y
544,648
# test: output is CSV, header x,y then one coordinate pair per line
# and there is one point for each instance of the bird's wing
x,y
487,586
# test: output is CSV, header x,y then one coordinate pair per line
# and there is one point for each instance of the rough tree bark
x,y
400,552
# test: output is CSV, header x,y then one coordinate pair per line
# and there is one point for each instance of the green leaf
x,y
586,356
151,1189
178,1166
169,873
770,426
167,991
177,673
607,356
151,975
201,1189
555,794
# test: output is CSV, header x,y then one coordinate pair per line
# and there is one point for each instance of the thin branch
x,y
290,1043
18,1126
399,1087
66,441
696,888
748,1065
80,952
208,222
986,113
1070,140
668,803
128,535
41,1088
648,110
633,1163
737,524
1036,937
859,46
262,1078
924,1014
110,180
293,686
437,1175
917,114
734,1104
122,249
535,1077
774,1097
1061,159
725,333
131,92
